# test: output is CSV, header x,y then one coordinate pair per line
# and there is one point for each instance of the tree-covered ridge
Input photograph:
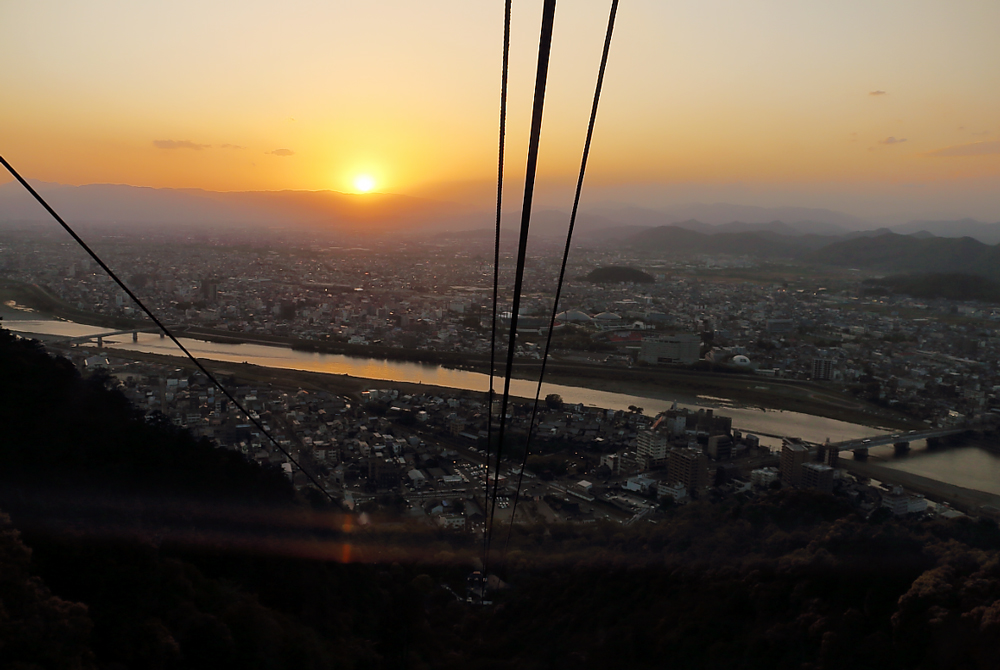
x,y
60,429
614,274
37,629
906,253
934,285
789,579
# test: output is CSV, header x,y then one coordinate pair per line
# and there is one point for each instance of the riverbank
x,y
45,304
966,500
684,385
667,384
293,380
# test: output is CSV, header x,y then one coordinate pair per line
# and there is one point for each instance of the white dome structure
x,y
573,316
740,360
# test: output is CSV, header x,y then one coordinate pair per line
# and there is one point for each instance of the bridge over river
x,y
100,337
901,441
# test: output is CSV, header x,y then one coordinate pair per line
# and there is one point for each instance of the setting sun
x,y
364,183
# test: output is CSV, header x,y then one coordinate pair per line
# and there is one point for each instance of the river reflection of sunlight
x,y
773,422
713,399
969,466
749,419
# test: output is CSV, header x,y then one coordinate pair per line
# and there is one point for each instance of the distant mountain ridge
x,y
912,253
988,233
142,206
874,250
679,240
390,213
806,220
933,285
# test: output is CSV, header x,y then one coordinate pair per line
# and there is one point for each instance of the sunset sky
x,y
885,110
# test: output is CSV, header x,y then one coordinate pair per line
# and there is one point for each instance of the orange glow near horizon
x,y
805,104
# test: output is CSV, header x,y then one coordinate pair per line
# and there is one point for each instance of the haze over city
x,y
882,111
273,394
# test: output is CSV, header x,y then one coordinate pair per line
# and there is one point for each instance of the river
x,y
969,467
752,419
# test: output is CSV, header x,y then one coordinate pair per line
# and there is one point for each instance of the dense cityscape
x,y
422,455
932,360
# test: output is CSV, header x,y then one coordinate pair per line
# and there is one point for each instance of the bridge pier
x,y
901,448
135,336
162,335
100,342
861,454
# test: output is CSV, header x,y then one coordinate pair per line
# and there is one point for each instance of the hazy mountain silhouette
x,y
383,212
987,233
800,220
681,240
913,253
122,204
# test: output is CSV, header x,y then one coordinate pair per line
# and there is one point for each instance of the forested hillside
x,y
786,579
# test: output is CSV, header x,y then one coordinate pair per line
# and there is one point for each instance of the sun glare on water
x,y
364,183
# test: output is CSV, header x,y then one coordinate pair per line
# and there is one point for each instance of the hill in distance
x,y
386,213
314,210
616,274
804,220
930,286
681,241
381,212
909,253
987,233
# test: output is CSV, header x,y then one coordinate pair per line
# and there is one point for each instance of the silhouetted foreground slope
x,y
787,580
60,430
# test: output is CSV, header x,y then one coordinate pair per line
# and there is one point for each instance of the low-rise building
x,y
763,477
675,490
900,502
817,476
683,349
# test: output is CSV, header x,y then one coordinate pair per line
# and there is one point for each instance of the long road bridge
x,y
100,337
901,441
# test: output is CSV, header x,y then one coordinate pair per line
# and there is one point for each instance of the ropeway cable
x,y
159,324
562,269
541,75
496,254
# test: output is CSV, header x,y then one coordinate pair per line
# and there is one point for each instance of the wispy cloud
x,y
281,152
231,146
892,140
179,144
876,92
973,149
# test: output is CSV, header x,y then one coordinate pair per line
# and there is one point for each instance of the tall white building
x,y
651,448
